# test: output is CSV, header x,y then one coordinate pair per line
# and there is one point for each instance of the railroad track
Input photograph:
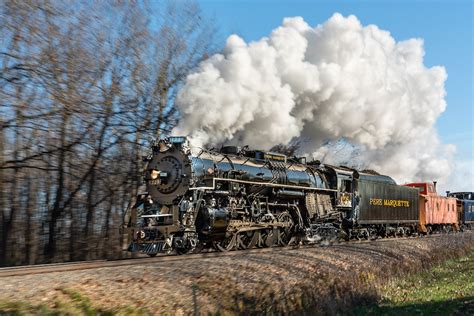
x,y
95,264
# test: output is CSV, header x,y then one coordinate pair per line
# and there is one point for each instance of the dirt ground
x,y
318,280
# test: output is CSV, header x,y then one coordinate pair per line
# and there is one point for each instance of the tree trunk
x,y
30,231
57,209
3,205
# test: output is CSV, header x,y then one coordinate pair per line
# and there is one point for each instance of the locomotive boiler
x,y
235,198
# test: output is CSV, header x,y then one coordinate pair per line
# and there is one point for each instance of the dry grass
x,y
445,289
320,280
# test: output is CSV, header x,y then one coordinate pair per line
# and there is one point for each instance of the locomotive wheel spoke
x,y
281,237
269,238
227,244
245,240
239,242
285,233
259,238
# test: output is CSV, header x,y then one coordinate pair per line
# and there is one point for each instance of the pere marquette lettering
x,y
393,203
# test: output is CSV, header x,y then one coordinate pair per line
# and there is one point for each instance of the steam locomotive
x,y
239,198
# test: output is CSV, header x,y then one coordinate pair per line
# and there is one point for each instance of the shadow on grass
x,y
459,306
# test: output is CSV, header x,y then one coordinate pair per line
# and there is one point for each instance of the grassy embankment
x,y
71,303
445,289
429,276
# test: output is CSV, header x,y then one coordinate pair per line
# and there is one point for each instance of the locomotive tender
x,y
239,198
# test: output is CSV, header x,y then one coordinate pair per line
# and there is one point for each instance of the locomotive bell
x,y
163,145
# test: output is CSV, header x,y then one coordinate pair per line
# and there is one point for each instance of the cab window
x,y
346,186
430,188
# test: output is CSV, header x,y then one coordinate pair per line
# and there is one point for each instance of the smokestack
x,y
349,92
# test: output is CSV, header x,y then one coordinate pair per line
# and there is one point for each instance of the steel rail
x,y
96,264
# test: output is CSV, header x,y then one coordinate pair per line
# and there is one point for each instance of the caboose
x,y
436,212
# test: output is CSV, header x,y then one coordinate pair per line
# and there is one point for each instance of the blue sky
x,y
445,26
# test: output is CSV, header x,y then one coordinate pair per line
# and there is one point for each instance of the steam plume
x,y
338,80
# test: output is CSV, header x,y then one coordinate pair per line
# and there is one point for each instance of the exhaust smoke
x,y
350,93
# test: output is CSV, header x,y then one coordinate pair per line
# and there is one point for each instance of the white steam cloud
x,y
338,80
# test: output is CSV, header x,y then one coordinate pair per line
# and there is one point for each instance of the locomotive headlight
x,y
154,174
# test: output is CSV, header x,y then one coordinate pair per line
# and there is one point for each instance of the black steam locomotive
x,y
239,198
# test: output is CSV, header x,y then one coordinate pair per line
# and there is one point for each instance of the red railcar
x,y
436,211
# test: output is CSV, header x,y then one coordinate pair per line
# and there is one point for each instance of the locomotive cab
x,y
342,179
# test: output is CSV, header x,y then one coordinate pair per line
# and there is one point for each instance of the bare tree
x,y
83,88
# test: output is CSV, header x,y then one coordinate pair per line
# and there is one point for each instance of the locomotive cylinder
x,y
213,221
